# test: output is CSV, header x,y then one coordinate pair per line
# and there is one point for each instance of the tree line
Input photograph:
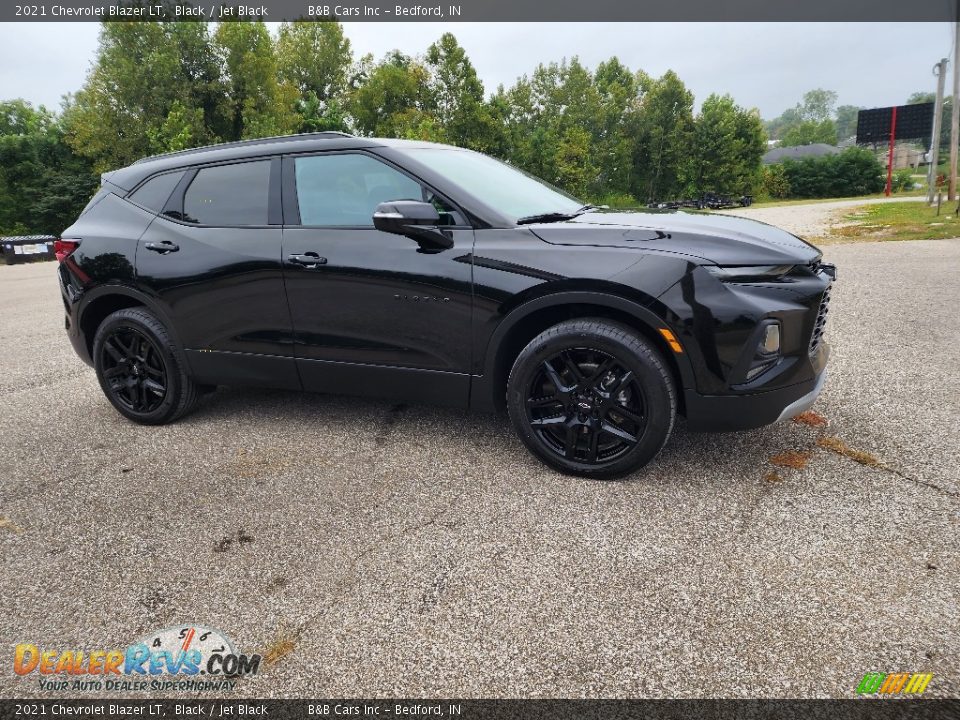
x,y
607,135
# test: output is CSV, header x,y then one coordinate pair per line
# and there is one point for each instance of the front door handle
x,y
307,259
163,247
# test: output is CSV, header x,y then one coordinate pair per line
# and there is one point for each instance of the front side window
x,y
344,190
229,195
499,185
155,192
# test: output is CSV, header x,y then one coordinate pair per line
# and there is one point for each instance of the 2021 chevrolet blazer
x,y
428,273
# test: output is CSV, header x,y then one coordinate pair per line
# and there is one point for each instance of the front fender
x,y
484,387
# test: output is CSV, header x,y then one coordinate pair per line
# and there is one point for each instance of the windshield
x,y
499,185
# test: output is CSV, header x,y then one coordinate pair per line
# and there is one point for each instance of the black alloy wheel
x,y
586,405
134,369
141,370
592,398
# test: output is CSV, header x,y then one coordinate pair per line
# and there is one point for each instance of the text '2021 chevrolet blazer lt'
x,y
428,273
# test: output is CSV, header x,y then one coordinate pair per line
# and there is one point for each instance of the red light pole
x,y
893,135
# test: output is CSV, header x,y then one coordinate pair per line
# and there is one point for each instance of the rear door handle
x,y
162,247
307,259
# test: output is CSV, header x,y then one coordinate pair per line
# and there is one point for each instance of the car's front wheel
x,y
140,370
592,398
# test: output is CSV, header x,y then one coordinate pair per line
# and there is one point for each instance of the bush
x,y
902,181
854,171
617,200
774,183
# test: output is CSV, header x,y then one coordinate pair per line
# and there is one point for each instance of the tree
x,y
847,121
260,105
394,100
43,184
809,121
143,72
457,96
18,117
575,169
774,182
619,94
809,132
729,143
665,134
553,122
315,58
818,105
779,125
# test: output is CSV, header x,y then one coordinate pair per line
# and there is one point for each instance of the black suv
x,y
428,273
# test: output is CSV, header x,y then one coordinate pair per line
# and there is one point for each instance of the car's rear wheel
x,y
590,397
140,370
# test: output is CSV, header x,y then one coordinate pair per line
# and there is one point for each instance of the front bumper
x,y
719,413
804,403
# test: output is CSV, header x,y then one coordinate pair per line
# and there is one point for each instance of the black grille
x,y
821,322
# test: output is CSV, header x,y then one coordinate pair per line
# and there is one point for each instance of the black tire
x,y
591,398
140,369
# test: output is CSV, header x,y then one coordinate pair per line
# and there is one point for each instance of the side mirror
x,y
416,220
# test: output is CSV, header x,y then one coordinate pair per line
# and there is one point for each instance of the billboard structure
x,y
889,124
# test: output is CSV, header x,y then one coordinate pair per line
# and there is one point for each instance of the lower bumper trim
x,y
721,413
804,403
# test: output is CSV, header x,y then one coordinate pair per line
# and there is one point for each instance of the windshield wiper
x,y
546,218
556,216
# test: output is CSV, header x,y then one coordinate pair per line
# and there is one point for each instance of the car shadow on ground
x,y
489,437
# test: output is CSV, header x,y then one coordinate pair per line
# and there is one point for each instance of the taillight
x,y
63,248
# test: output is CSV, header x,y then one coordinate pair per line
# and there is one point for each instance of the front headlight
x,y
748,273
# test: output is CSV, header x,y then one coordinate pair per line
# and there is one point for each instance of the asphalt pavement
x,y
375,549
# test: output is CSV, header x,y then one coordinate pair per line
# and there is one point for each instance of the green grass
x,y
899,221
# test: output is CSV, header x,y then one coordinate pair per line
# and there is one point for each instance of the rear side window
x,y
345,189
100,194
229,195
155,192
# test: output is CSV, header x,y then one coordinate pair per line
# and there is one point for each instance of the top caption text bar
x,y
488,11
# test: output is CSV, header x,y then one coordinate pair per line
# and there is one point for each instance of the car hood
x,y
714,238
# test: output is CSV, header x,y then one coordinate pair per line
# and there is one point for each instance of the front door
x,y
374,314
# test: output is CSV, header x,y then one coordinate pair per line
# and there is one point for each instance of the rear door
x,y
212,259
375,314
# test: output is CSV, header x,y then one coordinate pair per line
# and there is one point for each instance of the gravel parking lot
x,y
812,220
389,550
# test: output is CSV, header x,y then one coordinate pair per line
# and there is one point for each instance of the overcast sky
x,y
768,66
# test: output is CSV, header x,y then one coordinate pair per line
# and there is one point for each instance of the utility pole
x,y
940,70
955,114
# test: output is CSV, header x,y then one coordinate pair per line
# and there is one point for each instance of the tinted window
x,y
229,195
345,189
500,185
100,194
155,192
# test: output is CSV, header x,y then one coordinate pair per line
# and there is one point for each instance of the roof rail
x,y
252,141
